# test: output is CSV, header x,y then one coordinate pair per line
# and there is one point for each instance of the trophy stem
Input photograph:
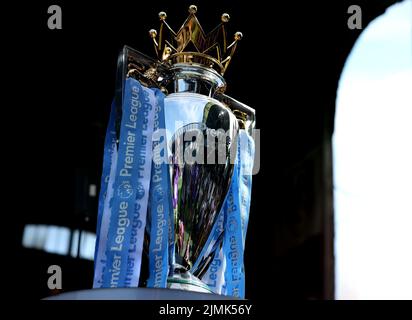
x,y
185,280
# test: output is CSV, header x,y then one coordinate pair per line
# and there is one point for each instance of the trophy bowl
x,y
202,152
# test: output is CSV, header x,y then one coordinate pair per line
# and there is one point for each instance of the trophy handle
x,y
149,72
153,73
245,114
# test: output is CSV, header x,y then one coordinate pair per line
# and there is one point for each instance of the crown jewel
x,y
192,45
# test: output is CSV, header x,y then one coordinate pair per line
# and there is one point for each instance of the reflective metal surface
x,y
198,189
198,79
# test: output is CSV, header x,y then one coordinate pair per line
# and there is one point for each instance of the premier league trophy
x,y
197,200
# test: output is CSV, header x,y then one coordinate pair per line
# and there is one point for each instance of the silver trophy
x,y
189,69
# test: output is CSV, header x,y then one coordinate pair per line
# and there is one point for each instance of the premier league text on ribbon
x,y
159,205
131,168
125,172
139,172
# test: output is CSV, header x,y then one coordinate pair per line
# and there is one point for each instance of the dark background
x,y
287,67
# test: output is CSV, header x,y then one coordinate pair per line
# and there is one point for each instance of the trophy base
x,y
136,294
184,280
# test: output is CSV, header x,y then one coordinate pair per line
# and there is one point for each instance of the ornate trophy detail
x,y
198,189
188,61
190,45
202,125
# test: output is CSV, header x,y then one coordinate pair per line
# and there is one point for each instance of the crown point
x,y
152,33
225,17
192,9
238,36
162,15
166,53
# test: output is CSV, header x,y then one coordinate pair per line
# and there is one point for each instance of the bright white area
x,y
373,162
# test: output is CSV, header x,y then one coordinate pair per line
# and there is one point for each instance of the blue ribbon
x,y
226,272
160,203
129,202
133,187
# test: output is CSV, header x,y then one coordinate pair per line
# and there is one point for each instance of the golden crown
x,y
192,45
